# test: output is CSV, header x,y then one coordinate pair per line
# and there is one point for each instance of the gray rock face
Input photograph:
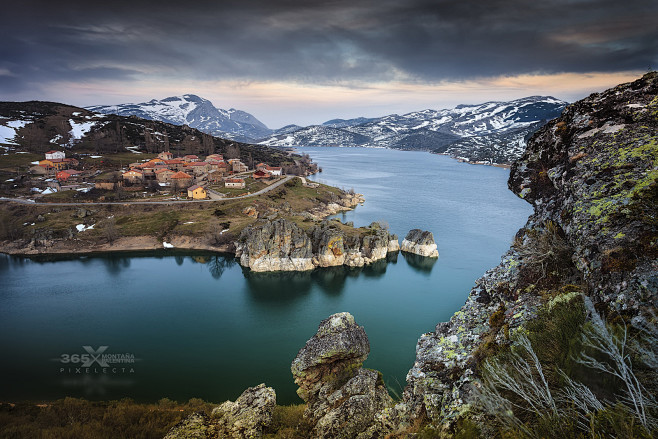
x,y
195,426
248,415
277,245
591,177
342,397
243,419
280,245
421,243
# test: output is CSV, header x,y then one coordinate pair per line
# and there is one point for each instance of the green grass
x,y
14,160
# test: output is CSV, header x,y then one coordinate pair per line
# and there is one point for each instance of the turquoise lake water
x,y
198,325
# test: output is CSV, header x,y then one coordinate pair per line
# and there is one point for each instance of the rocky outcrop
x,y
248,415
421,243
591,176
278,245
281,245
342,397
243,419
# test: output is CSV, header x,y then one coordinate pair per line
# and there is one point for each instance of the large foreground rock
x,y
342,397
420,242
243,419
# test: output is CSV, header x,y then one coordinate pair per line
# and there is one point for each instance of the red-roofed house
x,y
133,176
234,182
261,166
164,175
274,170
165,155
66,174
190,158
261,174
215,157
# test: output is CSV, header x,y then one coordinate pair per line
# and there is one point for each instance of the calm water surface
x,y
198,325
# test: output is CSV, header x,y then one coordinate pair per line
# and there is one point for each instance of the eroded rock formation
x,y
420,242
342,397
243,419
281,245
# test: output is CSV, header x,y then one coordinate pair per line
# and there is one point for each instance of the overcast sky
x,y
305,61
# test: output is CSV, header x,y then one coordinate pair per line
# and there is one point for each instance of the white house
x,y
274,170
55,155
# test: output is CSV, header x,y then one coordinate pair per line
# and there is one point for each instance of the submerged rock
x,y
342,397
421,243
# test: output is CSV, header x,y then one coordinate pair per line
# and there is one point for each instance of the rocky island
x,y
581,276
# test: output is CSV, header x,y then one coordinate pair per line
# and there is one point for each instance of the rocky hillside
x,y
557,341
41,126
493,132
195,112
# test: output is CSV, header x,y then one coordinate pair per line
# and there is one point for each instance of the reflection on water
x,y
278,286
115,265
421,264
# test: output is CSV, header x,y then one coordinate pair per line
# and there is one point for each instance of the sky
x,y
307,61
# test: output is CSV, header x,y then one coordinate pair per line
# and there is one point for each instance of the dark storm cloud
x,y
307,41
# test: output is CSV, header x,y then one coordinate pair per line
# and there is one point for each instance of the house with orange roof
x,y
198,168
261,166
274,170
175,164
67,174
258,175
181,179
164,175
196,192
234,183
190,158
215,157
165,155
133,176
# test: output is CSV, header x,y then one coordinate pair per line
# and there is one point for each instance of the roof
x,y
70,171
195,187
133,170
190,156
235,180
274,168
53,152
261,173
262,164
174,162
181,174
160,171
197,164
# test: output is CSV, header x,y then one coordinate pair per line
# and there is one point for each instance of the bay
x,y
198,325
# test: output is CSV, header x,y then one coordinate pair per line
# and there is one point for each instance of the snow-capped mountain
x,y
493,132
195,112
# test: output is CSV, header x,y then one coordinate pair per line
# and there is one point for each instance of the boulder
x,y
248,415
420,242
342,397
195,426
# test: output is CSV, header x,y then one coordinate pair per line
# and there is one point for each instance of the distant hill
x,y
37,126
493,132
195,112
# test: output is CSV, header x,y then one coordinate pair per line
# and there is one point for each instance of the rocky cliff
x,y
282,245
591,176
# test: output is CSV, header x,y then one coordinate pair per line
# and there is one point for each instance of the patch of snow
x,y
165,244
35,163
48,191
76,113
22,152
189,222
10,179
225,230
55,139
83,189
79,130
96,156
36,189
82,227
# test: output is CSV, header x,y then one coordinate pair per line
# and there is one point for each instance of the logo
x,y
97,361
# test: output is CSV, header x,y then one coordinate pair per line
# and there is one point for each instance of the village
x,y
163,176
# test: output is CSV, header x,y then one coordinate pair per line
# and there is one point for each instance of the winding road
x,y
255,194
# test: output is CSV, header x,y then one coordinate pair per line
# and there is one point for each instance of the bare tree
x,y
110,230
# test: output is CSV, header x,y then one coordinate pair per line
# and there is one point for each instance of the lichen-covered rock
x,y
195,426
342,397
421,243
278,245
248,415
393,244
